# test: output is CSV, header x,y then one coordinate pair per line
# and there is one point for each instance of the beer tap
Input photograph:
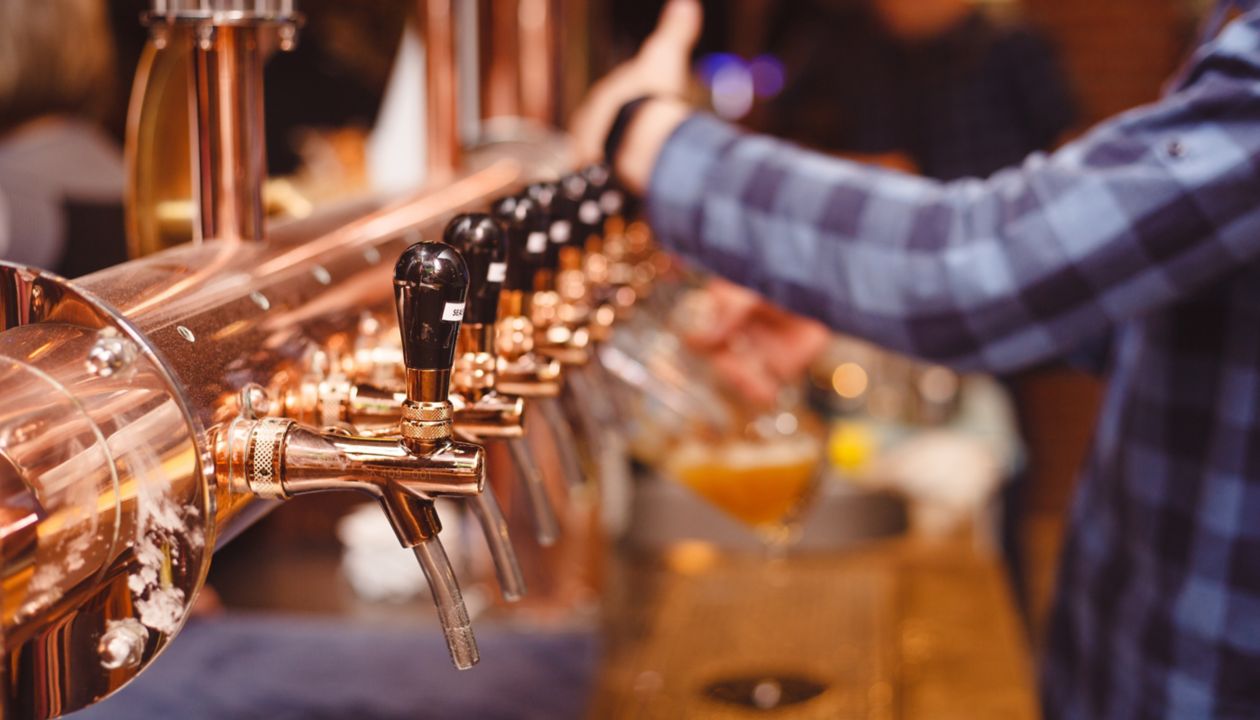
x,y
430,290
279,458
598,216
622,269
522,369
558,320
481,411
369,401
579,281
531,259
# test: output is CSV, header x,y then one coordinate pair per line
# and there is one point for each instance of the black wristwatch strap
x,y
617,133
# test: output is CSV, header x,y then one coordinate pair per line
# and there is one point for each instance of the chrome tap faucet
x,y
481,411
430,292
531,256
559,322
370,400
529,288
278,458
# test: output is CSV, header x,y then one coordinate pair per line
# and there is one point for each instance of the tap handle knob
x,y
526,241
611,198
430,289
590,222
544,219
567,211
483,245
590,213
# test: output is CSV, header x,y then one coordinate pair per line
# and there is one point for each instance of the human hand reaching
x,y
755,347
661,69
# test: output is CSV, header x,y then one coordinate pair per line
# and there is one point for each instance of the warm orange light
x,y
691,557
850,381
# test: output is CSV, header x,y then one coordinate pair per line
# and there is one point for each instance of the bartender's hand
x,y
660,69
755,346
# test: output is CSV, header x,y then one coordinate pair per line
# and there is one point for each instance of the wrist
x,y
645,137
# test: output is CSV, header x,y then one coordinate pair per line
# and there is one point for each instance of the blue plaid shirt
x,y
1148,228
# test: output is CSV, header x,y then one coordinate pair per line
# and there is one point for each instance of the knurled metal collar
x,y
427,411
426,422
264,461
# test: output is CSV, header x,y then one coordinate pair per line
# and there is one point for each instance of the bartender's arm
x,y
994,274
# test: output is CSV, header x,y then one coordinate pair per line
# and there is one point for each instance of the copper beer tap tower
x,y
155,409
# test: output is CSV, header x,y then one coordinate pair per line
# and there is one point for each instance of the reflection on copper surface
x,y
102,456
537,59
441,89
159,173
500,87
207,321
231,165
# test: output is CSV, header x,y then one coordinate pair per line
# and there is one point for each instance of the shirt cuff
x,y
676,189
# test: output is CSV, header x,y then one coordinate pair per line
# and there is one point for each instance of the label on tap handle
x,y
588,212
454,312
496,273
561,231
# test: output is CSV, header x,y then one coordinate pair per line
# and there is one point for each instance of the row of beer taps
x,y
501,314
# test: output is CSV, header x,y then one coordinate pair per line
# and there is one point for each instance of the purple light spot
x,y
708,66
767,75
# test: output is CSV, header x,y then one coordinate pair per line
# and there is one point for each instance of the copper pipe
x,y
500,69
442,85
227,132
537,60
519,60
119,384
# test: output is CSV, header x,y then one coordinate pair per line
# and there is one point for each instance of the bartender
x,y
1146,230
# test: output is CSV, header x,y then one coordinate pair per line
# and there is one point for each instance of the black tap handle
x,y
544,196
430,288
482,243
598,176
578,204
526,250
612,199
591,215
568,202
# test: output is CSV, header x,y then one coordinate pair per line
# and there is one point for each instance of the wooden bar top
x,y
895,629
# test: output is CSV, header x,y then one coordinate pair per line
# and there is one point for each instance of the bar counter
x,y
896,629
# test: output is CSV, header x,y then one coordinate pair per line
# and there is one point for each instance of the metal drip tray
x,y
665,513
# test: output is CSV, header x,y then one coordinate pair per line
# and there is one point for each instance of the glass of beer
x,y
763,479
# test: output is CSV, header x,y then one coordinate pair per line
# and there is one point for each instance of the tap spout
x,y
280,459
546,526
566,440
502,417
449,602
493,525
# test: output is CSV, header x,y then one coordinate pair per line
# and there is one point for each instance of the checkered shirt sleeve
x,y
998,273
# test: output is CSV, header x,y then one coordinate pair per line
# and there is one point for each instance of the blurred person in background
x,y
1147,227
934,86
61,177
941,88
